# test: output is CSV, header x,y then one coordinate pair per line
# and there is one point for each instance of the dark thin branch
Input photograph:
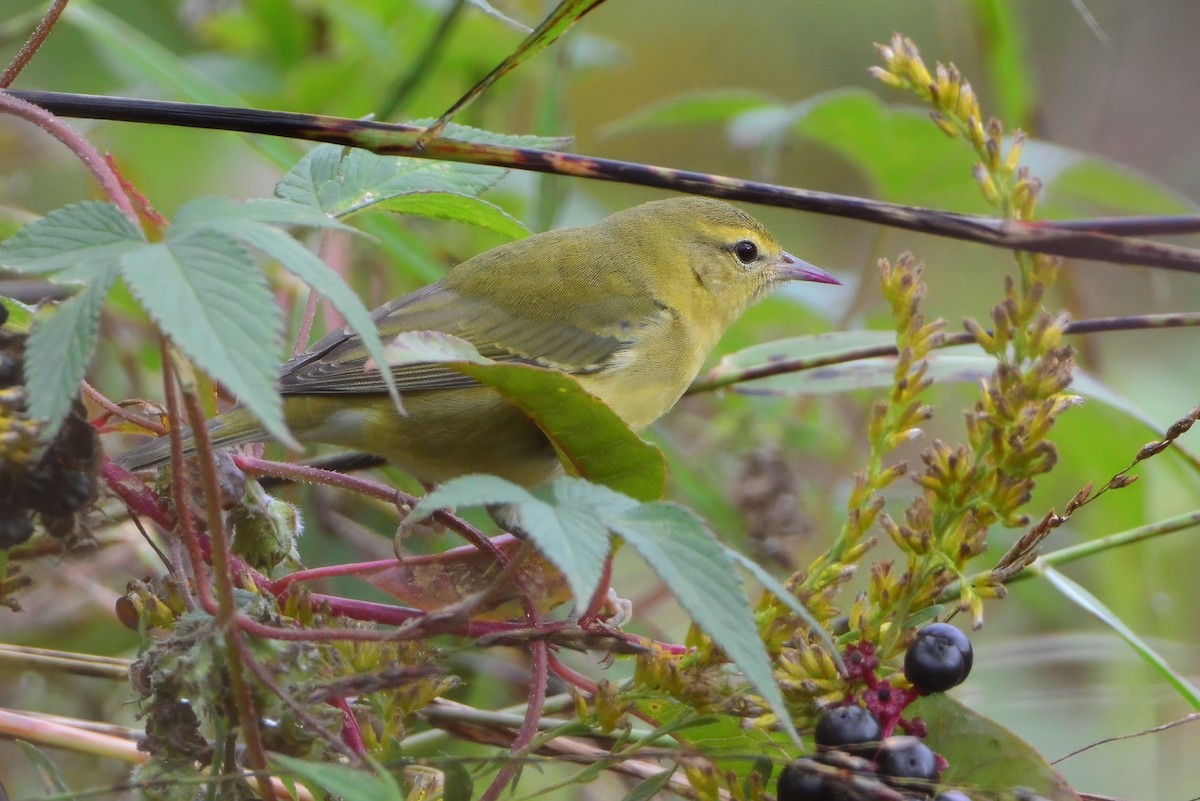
x,y
1058,239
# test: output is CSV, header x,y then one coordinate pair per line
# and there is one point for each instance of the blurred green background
x,y
1125,97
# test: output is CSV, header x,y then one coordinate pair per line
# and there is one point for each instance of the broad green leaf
x,y
350,784
1088,185
566,520
1093,605
692,108
60,348
458,208
695,567
252,223
222,213
339,181
206,294
590,438
72,241
983,754
907,157
649,788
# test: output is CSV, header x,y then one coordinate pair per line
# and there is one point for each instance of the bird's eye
x,y
746,251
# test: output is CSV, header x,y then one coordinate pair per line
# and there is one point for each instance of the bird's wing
x,y
334,365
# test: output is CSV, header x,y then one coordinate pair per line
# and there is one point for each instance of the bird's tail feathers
x,y
237,427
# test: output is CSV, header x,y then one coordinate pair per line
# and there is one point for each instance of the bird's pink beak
x,y
789,268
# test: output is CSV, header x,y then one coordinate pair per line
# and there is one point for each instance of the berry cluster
x,y
54,480
858,756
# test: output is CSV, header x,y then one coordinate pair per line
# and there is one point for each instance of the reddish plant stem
x,y
371,489
109,183
247,711
227,611
218,542
539,654
32,44
571,676
179,489
351,733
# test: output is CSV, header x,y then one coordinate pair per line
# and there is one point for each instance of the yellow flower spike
x,y
1012,160
920,73
889,78
986,184
968,103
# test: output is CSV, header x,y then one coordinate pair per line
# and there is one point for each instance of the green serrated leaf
x,y
340,182
59,350
650,787
589,436
72,242
205,293
350,784
566,520
252,223
223,213
776,588
982,753
458,208
695,567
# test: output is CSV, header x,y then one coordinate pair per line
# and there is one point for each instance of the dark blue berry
x,y
938,659
798,784
904,757
849,728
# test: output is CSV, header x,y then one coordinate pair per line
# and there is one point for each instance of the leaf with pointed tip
x,y
205,293
695,567
982,753
71,242
565,520
340,182
60,348
252,223
458,208
649,788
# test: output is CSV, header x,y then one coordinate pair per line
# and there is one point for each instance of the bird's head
x,y
711,257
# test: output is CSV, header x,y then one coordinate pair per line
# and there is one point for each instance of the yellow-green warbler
x,y
631,306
